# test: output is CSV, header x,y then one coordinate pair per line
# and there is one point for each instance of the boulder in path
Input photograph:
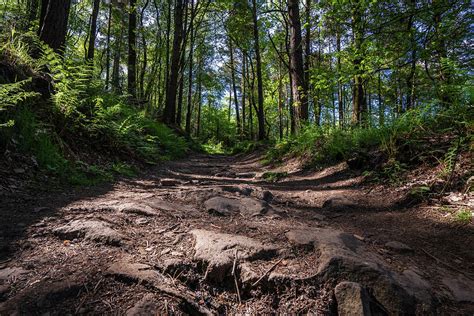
x,y
93,230
343,257
246,206
352,299
218,250
461,288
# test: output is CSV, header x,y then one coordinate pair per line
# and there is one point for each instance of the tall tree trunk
x,y
340,103
413,45
243,89
300,90
358,94
307,52
280,99
199,75
190,71
234,87
380,104
54,22
179,107
260,113
169,115
132,49
145,54
107,62
93,30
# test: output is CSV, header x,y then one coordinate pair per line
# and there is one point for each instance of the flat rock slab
x,y
218,250
342,256
352,299
461,288
93,230
128,270
137,208
246,206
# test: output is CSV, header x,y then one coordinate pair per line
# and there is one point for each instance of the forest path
x,y
199,235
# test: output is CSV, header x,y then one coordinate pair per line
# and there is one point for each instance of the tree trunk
x,y
340,103
358,94
54,22
300,90
93,30
260,113
169,116
132,49
145,55
234,87
199,75
307,53
190,72
107,62
243,88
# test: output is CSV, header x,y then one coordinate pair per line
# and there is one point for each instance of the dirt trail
x,y
208,235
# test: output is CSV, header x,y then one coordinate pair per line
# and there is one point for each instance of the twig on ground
x,y
235,277
267,272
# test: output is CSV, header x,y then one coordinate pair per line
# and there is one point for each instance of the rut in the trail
x,y
210,236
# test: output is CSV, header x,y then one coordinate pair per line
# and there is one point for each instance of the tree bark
x,y
132,50
260,113
358,94
54,22
234,87
300,90
190,71
169,115
93,30
107,63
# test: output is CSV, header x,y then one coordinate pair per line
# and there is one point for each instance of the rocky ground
x,y
208,235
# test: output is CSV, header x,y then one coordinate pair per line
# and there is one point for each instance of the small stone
x,y
398,246
141,221
352,299
165,251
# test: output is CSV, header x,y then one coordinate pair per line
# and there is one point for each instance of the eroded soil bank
x,y
209,235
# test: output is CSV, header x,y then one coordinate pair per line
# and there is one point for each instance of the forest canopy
x,y
225,72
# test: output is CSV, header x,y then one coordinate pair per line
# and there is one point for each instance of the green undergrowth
x,y
57,111
424,135
213,146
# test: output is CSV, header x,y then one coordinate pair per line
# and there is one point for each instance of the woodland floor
x,y
181,238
